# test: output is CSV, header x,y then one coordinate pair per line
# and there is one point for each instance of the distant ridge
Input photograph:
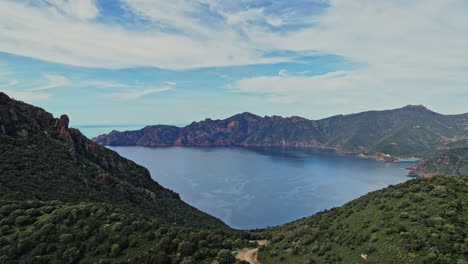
x,y
412,130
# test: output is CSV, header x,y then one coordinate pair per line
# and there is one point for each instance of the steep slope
x,y
65,199
453,162
42,158
419,221
90,232
404,132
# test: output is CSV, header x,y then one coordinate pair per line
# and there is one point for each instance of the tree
x,y
115,250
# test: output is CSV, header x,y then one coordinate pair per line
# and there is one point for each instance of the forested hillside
x,y
66,199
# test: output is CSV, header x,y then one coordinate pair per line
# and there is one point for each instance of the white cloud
x,y
80,9
287,85
407,50
416,48
137,94
102,84
53,81
46,34
13,88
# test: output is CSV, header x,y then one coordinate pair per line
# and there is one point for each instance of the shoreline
x,y
382,157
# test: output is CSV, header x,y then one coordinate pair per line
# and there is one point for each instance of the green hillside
x,y
66,199
33,231
419,221
43,159
453,162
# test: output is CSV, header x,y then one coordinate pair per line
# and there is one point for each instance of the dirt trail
x,y
250,255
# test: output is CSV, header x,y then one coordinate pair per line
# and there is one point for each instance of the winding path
x,y
250,255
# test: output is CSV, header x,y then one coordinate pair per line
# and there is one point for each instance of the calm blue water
x,y
260,187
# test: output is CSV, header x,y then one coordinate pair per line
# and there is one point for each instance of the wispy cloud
x,y
103,84
137,94
80,9
53,81
10,85
287,85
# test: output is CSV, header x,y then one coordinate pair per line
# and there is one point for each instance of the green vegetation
x,y
56,232
66,199
453,162
43,159
419,221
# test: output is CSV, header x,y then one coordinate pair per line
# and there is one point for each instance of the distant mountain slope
x,y
418,221
42,158
408,131
453,162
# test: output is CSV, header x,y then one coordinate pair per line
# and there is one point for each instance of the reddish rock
x,y
44,119
61,124
104,178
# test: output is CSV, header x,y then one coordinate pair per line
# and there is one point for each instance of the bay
x,y
251,188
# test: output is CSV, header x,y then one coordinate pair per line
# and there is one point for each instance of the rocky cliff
x,y
407,131
42,158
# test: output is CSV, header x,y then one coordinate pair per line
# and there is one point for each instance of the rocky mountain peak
x,y
421,108
62,123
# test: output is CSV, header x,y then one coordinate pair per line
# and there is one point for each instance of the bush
x,y
115,250
66,238
225,257
23,220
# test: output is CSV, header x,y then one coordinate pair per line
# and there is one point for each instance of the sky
x,y
172,62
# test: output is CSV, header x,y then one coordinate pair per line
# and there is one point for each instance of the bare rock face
x,y
411,131
8,115
44,119
104,178
61,124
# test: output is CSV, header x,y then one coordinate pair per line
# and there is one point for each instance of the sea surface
x,y
251,188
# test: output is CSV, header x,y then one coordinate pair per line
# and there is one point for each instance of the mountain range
x,y
411,131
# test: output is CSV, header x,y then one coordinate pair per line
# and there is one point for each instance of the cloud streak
x,y
137,94
53,81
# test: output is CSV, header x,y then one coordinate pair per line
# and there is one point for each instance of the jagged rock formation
x,y
403,132
453,163
42,158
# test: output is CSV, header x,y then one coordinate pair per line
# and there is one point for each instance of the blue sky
x,y
159,61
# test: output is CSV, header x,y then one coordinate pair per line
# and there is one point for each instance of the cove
x,y
252,188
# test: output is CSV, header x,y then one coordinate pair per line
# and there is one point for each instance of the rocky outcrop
x,y
61,125
387,135
41,157
453,162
